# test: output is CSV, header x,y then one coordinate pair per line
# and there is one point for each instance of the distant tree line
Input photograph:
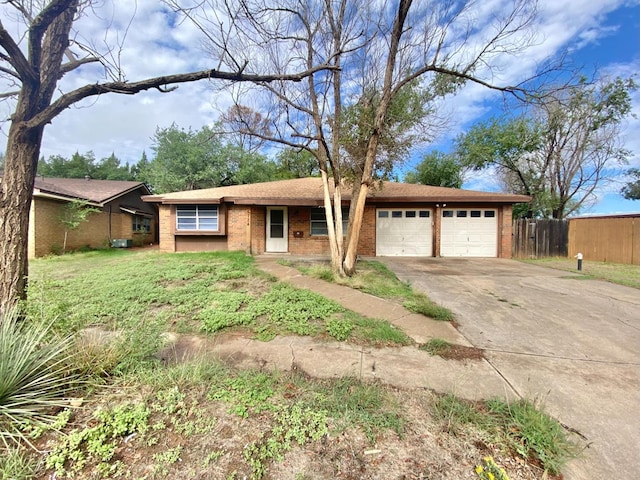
x,y
186,159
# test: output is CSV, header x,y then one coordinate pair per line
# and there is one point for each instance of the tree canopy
x,y
82,165
560,152
631,191
439,169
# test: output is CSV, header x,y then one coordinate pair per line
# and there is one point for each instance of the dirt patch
x,y
462,353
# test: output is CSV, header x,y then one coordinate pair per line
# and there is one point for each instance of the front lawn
x,y
622,274
186,293
126,414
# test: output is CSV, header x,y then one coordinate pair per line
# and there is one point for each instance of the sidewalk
x,y
399,366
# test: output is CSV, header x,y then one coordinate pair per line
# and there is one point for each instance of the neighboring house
x,y
123,214
287,217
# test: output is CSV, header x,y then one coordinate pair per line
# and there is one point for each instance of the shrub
x,y
34,375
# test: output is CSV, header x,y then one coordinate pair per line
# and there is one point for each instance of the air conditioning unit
x,y
121,243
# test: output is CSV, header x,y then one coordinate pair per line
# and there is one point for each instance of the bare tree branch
x,y
68,99
15,56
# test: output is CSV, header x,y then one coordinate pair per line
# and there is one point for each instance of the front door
x,y
277,229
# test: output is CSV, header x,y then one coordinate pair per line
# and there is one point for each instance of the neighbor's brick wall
x,y
46,233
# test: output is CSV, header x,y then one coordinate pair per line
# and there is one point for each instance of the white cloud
x,y
157,42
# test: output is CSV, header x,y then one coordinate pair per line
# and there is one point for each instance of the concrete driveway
x,y
572,344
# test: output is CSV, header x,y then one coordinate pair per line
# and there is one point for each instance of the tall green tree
x,y
561,152
47,45
439,169
78,166
190,160
291,163
631,191
110,168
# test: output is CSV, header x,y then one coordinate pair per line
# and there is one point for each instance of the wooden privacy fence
x,y
614,238
539,238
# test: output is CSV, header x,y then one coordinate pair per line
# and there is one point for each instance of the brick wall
x,y
47,233
505,227
166,227
239,227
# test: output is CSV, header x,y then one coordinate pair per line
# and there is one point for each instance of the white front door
x,y
277,229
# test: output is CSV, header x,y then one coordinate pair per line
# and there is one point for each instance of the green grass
x,y
622,274
436,346
16,464
376,279
522,426
143,294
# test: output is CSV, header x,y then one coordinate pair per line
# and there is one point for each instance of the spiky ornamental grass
x,y
35,375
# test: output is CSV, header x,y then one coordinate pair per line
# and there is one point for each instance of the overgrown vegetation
x,y
521,426
204,418
35,375
147,294
376,279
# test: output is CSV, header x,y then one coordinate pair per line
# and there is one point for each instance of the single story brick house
x,y
123,214
287,216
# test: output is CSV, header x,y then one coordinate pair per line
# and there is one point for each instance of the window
x,y
476,213
141,224
197,217
461,213
396,214
425,214
489,213
447,213
383,214
410,214
319,221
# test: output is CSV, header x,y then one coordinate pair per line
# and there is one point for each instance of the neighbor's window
x,y
319,221
141,224
197,217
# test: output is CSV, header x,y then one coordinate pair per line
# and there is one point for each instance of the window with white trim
x,y
319,221
197,217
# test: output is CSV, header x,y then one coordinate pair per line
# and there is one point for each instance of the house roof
x,y
98,192
308,191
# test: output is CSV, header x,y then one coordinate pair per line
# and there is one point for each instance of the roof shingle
x,y
309,191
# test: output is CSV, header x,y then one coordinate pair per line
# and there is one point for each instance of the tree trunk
x,y
23,150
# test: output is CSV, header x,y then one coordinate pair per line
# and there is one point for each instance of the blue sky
x,y
597,33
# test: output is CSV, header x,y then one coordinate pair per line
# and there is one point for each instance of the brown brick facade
x,y
46,232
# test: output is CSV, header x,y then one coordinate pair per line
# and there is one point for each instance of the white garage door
x,y
469,233
404,232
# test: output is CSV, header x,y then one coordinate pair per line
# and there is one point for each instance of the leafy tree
x,y
292,163
561,153
631,191
73,215
110,169
33,60
184,160
190,160
78,166
439,169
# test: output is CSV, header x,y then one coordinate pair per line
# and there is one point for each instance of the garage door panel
x,y
404,232
469,233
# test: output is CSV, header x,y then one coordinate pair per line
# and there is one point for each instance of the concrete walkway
x,y
399,366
